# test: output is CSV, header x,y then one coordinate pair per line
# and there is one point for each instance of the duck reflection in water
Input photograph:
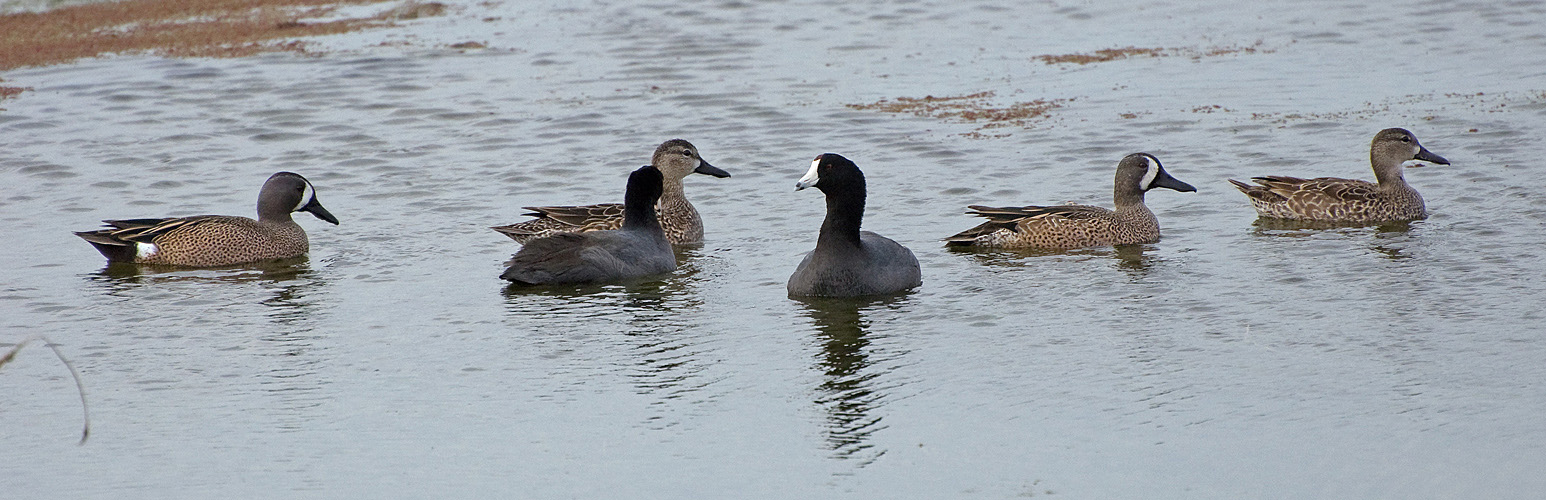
x,y
129,273
1266,226
1135,260
853,388
1388,238
290,280
1132,258
285,292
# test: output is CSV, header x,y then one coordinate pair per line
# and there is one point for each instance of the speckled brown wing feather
x,y
1012,219
553,220
1070,212
1261,193
147,230
1331,188
1295,198
126,232
597,217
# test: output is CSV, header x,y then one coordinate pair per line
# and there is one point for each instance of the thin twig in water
x,y
79,387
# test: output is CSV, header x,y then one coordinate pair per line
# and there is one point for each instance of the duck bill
x,y
316,209
1424,155
706,169
1166,181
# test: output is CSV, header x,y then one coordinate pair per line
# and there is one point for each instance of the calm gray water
x,y
1231,360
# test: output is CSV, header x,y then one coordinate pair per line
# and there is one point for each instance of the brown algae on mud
x,y
980,107
969,108
181,28
6,91
1104,55
1480,102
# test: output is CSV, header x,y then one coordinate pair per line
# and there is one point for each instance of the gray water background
x,y
1230,360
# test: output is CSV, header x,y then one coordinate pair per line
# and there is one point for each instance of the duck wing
x,y
1330,189
1016,215
1011,218
123,232
563,219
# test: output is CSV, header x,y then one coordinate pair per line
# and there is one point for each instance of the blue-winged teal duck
x,y
217,240
637,248
676,159
1077,226
848,262
1348,200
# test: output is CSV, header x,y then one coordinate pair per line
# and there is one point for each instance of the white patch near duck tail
x,y
306,196
145,250
810,178
1151,174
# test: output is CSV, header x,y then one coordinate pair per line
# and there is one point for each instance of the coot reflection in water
x,y
854,383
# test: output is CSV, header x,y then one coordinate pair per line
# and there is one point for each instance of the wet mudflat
x,y
1233,359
